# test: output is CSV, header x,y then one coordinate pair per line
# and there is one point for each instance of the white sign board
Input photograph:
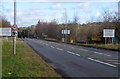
x,y
5,31
109,33
65,31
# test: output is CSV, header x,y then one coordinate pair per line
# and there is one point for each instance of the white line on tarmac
x,y
52,46
98,53
101,53
102,62
106,55
71,52
72,47
59,49
46,44
83,50
77,54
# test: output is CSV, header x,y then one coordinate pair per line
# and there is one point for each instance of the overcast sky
x,y
28,13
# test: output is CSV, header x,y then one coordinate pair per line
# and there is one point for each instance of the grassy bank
x,y
26,63
103,46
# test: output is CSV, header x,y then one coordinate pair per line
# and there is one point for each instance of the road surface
x,y
77,61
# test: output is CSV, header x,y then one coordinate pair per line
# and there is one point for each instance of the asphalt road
x,y
77,61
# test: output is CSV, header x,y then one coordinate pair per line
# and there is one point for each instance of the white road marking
x,y
57,44
98,53
46,44
102,62
59,49
101,53
77,54
52,46
83,49
72,47
71,52
68,51
106,55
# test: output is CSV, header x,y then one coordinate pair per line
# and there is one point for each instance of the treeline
x,y
91,32
84,33
4,22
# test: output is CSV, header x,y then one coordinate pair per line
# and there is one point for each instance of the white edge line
x,y
102,62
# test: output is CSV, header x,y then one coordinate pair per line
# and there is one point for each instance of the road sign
x,y
5,31
109,33
14,33
65,32
14,27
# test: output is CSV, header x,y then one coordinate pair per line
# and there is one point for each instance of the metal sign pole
x,y
14,47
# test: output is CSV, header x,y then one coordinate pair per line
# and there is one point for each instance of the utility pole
x,y
15,27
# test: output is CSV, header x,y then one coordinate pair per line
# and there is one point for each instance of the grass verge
x,y
26,63
103,46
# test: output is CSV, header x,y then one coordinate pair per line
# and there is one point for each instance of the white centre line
x,y
77,54
101,53
64,45
52,46
46,44
107,55
98,53
102,62
72,47
83,50
59,49
71,52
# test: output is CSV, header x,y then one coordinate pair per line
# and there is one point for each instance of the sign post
x,y
14,28
14,33
108,33
65,32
